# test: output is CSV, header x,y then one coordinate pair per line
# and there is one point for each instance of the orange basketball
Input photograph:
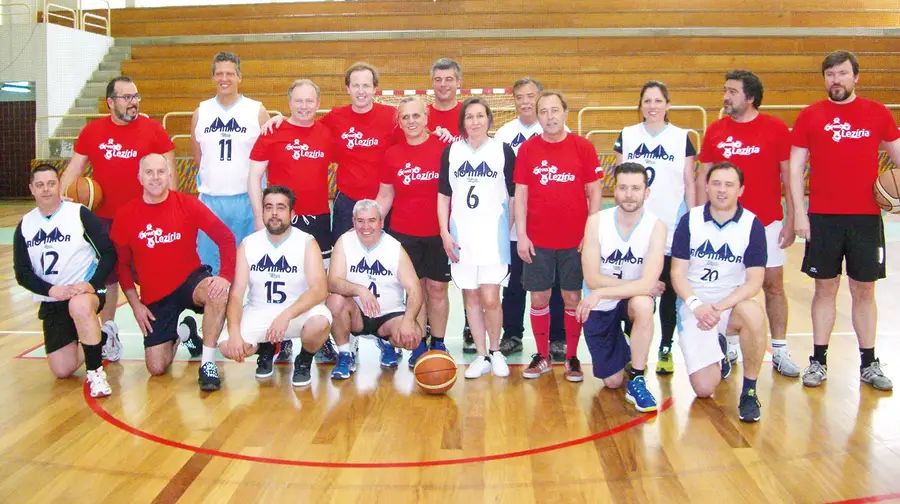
x,y
887,191
85,191
435,372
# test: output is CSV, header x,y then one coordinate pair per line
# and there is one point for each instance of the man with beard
x,y
840,138
760,145
284,271
114,146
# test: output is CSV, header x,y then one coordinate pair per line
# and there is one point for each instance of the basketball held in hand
x,y
435,372
887,191
85,191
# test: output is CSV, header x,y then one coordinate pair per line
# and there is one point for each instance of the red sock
x,y
540,325
573,333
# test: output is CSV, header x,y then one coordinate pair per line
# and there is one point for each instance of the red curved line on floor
x,y
871,498
105,415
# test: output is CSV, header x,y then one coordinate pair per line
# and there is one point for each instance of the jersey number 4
x,y
49,268
225,149
273,293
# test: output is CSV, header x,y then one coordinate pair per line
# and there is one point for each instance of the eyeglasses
x,y
129,97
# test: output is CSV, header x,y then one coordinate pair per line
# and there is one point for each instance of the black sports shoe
x,y
328,353
558,351
748,408
193,342
726,364
209,377
468,341
265,355
510,344
286,351
302,373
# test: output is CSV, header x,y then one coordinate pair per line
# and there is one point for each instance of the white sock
x,y
209,354
345,348
779,345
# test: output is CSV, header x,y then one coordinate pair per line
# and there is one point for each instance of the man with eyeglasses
x,y
114,146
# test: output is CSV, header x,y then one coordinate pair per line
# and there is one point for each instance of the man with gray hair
x,y
443,114
369,278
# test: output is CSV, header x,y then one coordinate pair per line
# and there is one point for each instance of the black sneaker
x,y
427,337
192,341
748,408
265,355
328,353
558,351
286,352
510,344
209,377
726,364
302,373
468,341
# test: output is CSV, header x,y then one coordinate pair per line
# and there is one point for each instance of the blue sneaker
x,y
345,366
390,356
418,352
636,393
438,344
726,364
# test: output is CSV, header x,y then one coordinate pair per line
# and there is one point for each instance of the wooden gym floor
x,y
375,438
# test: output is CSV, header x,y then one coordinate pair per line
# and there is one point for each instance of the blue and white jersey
x,y
719,254
515,132
226,137
479,183
376,269
277,271
622,256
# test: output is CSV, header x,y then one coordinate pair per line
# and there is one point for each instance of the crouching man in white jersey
x,y
283,268
718,265
367,279
622,258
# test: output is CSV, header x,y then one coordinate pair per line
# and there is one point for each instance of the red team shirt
x,y
413,171
757,147
447,119
161,241
298,158
114,152
361,141
555,174
843,142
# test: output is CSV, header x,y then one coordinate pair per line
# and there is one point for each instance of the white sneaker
x,y
479,367
498,364
733,352
99,385
112,350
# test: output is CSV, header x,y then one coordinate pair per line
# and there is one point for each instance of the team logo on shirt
x,y
618,258
643,152
375,269
300,150
519,140
840,130
43,238
409,173
155,236
550,173
731,147
707,251
217,126
113,150
355,139
268,266
467,170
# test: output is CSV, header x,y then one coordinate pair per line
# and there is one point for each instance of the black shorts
x,y
540,275
59,327
858,238
113,277
168,309
319,226
605,339
372,325
427,255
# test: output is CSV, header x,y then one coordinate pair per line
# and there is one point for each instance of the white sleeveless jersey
x,y
622,257
226,137
479,207
376,269
277,273
514,133
58,248
663,155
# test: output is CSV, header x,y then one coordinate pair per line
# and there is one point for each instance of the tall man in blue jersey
x,y
718,265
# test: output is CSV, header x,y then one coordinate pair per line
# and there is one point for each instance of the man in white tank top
x,y
622,259
223,131
368,278
283,269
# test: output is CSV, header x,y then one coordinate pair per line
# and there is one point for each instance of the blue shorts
x,y
236,213
605,339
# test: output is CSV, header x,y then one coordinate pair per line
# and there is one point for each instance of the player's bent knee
x,y
641,307
862,290
62,370
83,306
336,303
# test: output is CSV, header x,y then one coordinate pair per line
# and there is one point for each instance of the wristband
x,y
693,302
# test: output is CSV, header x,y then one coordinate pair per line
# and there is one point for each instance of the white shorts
x,y
256,321
468,276
700,348
776,255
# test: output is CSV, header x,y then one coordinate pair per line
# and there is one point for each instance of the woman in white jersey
x,y
667,153
475,195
